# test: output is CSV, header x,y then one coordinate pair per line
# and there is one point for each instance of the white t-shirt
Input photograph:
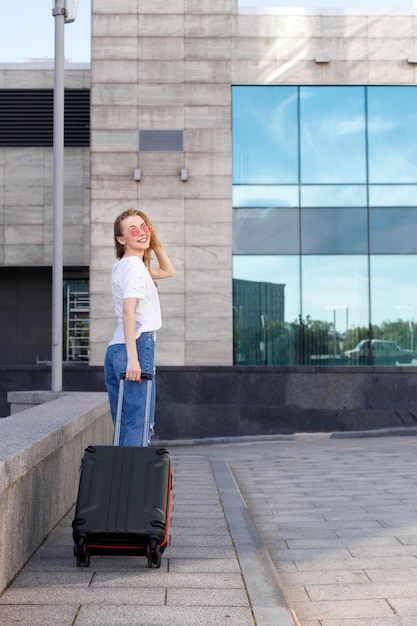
x,y
131,279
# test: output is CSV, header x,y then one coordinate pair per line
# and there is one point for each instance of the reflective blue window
x,y
335,305
392,134
245,196
393,302
334,231
393,195
265,135
333,195
266,309
325,223
266,231
332,135
393,231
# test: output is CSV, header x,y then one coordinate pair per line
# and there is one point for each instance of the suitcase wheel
x,y
153,553
82,555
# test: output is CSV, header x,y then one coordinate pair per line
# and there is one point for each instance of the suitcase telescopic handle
x,y
144,375
145,435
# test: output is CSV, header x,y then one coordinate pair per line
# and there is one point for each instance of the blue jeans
x,y
133,411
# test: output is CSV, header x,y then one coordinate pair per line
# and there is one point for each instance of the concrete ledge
x,y
40,453
22,400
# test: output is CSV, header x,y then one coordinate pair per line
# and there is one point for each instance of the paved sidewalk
x,y
339,519
307,531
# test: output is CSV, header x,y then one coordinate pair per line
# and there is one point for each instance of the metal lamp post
x,y
64,11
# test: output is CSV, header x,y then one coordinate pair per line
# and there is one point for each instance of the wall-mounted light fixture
x,y
137,175
184,174
412,60
322,58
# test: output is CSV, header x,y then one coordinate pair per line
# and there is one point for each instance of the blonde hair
x,y
118,232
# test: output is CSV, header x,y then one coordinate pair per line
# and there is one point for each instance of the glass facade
x,y
325,224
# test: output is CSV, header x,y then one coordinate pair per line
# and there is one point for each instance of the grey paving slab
x,y
207,597
406,608
378,621
183,539
65,594
182,580
205,552
359,609
170,616
38,615
216,566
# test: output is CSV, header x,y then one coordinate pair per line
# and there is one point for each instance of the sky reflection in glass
x,y
333,195
245,196
393,195
333,231
271,231
393,231
333,140
265,135
392,131
393,293
336,284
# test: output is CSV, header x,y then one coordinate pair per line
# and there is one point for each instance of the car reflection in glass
x,y
378,352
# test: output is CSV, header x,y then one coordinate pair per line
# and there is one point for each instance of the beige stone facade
x,y
166,66
170,64
26,184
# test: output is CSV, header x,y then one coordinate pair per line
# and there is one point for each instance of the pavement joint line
x,y
266,597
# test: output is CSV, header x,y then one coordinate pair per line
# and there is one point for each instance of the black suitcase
x,y
124,496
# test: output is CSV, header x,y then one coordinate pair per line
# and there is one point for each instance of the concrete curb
x,y
267,600
353,434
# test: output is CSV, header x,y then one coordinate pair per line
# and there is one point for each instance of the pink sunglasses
x,y
134,231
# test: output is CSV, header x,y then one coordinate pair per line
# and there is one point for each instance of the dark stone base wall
x,y
241,401
200,402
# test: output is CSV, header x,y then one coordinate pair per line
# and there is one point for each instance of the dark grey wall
x,y
25,315
200,402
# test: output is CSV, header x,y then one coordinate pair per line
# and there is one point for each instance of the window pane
x,y
393,231
266,306
265,135
393,301
393,195
334,231
335,305
332,133
333,195
245,196
392,130
265,231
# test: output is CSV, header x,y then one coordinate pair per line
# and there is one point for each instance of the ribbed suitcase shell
x,y
123,503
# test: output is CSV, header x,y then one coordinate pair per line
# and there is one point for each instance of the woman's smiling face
x,y
136,236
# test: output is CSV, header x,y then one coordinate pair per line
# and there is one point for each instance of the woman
x,y
136,303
